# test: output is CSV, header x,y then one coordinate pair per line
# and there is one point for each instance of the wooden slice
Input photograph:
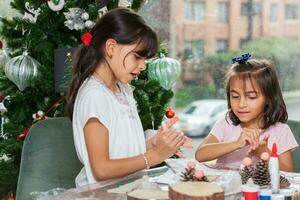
x,y
148,194
195,191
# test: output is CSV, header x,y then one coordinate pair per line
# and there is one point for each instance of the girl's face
x,y
125,62
247,101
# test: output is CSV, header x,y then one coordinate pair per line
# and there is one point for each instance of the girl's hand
x,y
262,146
167,143
249,137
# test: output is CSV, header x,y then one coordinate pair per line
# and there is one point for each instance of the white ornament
x,y
30,13
69,24
3,58
76,18
78,26
4,158
89,24
102,11
40,113
2,108
55,7
85,16
124,3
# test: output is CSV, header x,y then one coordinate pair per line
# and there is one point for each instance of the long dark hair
x,y
264,73
120,24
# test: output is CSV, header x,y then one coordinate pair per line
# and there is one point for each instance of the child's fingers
x,y
180,154
188,145
170,123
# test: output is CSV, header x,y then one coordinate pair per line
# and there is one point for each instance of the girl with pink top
x,y
255,120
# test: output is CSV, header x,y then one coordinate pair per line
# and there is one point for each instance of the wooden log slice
x,y
195,191
147,194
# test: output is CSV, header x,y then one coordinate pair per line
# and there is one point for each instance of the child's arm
x,y
211,148
286,162
97,142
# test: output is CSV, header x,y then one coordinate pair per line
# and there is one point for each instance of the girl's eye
x,y
252,97
234,97
137,56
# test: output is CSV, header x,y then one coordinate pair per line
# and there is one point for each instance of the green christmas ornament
x,y
21,70
165,70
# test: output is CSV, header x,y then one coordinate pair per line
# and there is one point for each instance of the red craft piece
x,y
1,44
170,113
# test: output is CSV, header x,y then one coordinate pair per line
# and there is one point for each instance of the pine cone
x,y
284,182
246,173
203,178
188,175
296,196
261,174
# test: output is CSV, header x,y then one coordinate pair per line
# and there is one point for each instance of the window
x,y
291,11
194,10
222,46
273,12
245,8
193,49
222,12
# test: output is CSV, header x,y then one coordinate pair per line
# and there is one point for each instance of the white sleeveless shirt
x,y
118,113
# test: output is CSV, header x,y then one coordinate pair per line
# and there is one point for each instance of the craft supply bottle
x,y
277,197
274,169
265,194
288,193
250,190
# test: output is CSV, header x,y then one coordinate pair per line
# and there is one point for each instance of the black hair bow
x,y
241,59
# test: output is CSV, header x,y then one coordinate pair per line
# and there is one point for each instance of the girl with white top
x,y
108,133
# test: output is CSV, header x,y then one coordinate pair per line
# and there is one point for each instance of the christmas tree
x,y
27,78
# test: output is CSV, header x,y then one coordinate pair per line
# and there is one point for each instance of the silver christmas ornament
x,y
76,19
21,70
85,16
89,24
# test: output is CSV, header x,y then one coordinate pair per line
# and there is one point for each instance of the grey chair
x,y
295,127
49,158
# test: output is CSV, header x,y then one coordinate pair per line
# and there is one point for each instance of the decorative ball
x,y
85,16
56,5
89,24
170,113
21,70
265,156
247,161
165,70
199,173
191,164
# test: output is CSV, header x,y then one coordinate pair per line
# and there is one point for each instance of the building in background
x,y
214,26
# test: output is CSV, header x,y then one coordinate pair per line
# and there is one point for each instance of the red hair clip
x,y
86,39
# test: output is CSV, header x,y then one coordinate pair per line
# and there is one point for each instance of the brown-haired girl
x,y
256,111
108,133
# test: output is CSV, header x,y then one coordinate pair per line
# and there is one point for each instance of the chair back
x,y
295,127
49,158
